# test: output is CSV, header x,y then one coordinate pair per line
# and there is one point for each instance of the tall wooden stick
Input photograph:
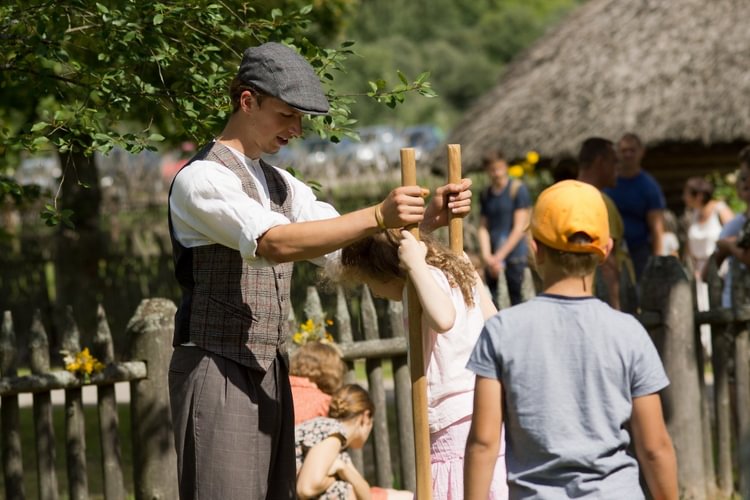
x,y
416,357
455,222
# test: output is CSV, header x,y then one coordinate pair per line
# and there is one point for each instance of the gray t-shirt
x,y
570,368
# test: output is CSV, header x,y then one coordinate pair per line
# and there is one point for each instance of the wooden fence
x,y
722,422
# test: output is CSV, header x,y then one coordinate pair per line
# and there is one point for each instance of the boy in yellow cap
x,y
570,377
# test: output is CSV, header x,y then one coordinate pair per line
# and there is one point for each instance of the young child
x,y
567,375
455,304
324,468
316,371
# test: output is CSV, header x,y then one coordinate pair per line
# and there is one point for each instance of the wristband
x,y
379,216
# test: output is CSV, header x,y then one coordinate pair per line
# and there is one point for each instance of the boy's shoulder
x,y
542,307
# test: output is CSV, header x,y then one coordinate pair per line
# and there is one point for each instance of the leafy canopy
x,y
85,77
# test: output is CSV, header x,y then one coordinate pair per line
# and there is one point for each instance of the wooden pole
x,y
455,222
416,356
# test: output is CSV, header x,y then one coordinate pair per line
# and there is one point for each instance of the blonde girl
x,y
455,305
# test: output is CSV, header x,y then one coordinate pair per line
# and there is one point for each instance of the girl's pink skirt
x,y
447,448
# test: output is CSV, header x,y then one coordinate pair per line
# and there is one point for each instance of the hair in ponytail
x,y
349,401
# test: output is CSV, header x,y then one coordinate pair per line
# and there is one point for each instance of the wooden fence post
x,y
402,383
44,428
665,288
11,435
740,299
714,283
75,424
150,332
344,322
374,369
721,348
109,421
344,326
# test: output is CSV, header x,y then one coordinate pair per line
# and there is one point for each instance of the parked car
x,y
423,138
378,148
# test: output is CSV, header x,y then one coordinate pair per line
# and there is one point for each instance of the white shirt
x,y
450,385
702,236
209,206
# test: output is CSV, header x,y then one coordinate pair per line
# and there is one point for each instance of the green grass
x,y
93,452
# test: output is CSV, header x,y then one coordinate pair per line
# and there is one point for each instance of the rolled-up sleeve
x,y
209,206
307,207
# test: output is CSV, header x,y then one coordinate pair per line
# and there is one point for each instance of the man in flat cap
x,y
237,224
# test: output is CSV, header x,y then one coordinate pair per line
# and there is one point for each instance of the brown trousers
x,y
233,426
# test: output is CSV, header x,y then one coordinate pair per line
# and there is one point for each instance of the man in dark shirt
x,y
505,207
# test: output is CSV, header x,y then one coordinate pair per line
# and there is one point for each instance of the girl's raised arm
x,y
437,306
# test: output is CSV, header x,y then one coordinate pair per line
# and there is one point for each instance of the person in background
x,y
455,304
574,382
641,203
670,242
597,165
705,218
504,215
237,224
732,243
324,468
316,371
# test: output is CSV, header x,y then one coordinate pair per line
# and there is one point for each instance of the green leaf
x,y
156,137
402,77
158,19
39,126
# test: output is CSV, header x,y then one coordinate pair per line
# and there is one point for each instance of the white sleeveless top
x,y
702,236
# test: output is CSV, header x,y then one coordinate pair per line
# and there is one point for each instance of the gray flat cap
x,y
281,72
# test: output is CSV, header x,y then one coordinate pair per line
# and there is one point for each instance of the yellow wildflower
x,y
313,330
532,157
515,171
82,363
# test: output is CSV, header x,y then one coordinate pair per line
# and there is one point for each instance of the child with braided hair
x,y
324,468
455,304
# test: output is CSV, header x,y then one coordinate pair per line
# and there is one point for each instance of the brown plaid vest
x,y
228,307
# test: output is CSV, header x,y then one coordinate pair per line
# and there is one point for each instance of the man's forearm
x,y
514,238
308,240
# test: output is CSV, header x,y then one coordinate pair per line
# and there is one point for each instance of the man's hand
x,y
450,198
494,266
404,206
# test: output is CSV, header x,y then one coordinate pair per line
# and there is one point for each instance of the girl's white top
x,y
702,236
450,386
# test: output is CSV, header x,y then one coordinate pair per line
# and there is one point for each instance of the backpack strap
x,y
515,185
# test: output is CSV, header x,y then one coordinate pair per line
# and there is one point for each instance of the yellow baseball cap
x,y
567,208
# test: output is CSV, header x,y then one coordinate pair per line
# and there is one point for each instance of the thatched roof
x,y
669,70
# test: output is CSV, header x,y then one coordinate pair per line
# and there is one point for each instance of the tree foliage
x,y
464,44
81,76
